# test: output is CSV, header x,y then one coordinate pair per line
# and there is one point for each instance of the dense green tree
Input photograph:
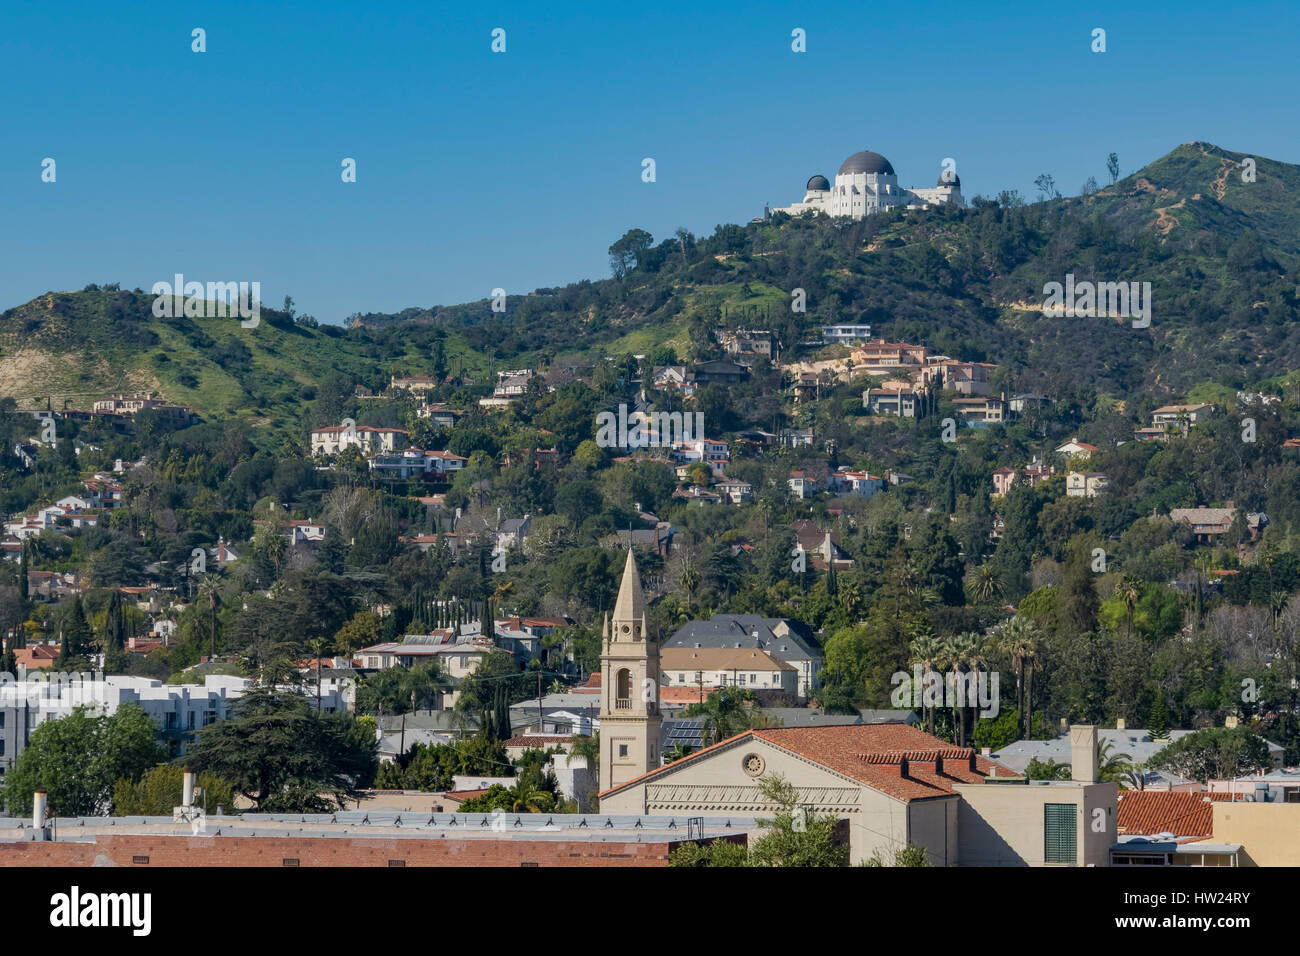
x,y
279,753
158,792
1217,753
77,759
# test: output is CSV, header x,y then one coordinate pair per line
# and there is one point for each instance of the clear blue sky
x,y
517,170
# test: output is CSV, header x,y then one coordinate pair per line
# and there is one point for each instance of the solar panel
x,y
685,731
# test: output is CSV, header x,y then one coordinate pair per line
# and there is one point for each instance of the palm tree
x,y
1031,660
318,648
1112,767
1010,641
1129,590
588,748
849,598
210,590
924,650
1134,778
527,797
723,714
948,659
984,585
690,581
1277,602
972,646
1018,639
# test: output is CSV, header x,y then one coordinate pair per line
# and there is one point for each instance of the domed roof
x,y
955,181
819,182
866,162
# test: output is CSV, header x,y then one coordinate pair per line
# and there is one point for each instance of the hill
x,y
1221,255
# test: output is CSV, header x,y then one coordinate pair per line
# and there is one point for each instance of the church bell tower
x,y
629,687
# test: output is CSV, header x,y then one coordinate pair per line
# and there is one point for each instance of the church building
x,y
866,184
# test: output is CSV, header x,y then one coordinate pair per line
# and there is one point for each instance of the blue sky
x,y
477,170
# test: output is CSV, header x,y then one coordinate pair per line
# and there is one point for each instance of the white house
x,y
854,482
336,438
1085,484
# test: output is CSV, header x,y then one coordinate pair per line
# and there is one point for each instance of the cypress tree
x,y
115,623
76,632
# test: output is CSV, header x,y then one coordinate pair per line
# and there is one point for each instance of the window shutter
x,y
1059,829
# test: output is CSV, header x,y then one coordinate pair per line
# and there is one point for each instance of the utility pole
x,y
540,727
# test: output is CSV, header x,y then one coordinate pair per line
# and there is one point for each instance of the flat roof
x,y
391,824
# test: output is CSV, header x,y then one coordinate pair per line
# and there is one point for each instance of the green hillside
x,y
1221,255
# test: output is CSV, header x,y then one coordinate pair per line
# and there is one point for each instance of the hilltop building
x,y
866,184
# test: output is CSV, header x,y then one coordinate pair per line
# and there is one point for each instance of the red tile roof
x,y
682,695
463,795
895,759
1148,812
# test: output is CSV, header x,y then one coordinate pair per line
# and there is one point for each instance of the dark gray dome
x,y
819,182
866,162
955,181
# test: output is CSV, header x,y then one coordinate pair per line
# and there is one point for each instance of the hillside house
x,y
899,402
1085,484
336,438
980,412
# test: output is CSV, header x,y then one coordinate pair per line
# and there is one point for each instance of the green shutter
x,y
1059,829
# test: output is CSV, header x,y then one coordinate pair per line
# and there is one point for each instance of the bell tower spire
x,y
629,686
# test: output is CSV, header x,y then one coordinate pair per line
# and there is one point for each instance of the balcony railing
x,y
622,703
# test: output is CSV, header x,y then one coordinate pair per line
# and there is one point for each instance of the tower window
x,y
622,750
623,690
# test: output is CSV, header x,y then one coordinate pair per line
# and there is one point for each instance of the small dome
x,y
955,181
866,162
819,182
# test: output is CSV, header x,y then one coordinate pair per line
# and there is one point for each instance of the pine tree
x,y
1158,721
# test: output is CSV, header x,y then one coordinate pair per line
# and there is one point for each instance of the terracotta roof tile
x,y
876,755
1147,812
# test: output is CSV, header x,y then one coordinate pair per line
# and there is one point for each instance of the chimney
x,y
1119,724
187,790
1083,753
39,805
